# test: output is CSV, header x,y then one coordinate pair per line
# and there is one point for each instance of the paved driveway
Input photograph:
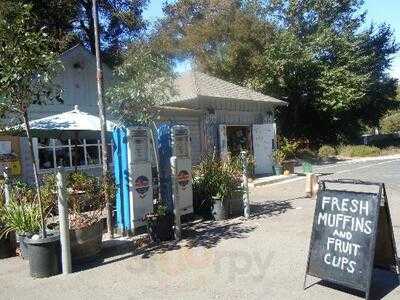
x,y
260,258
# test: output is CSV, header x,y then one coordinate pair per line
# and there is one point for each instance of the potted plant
x,y
23,218
87,203
279,158
284,156
7,245
228,200
160,224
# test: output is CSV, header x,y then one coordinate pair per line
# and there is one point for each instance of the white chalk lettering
x,y
325,200
323,217
342,263
345,205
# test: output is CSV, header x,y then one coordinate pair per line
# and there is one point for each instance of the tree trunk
x,y
35,173
102,115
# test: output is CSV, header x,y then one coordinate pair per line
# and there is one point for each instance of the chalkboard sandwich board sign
x,y
352,233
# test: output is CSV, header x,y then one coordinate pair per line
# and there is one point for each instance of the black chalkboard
x,y
352,233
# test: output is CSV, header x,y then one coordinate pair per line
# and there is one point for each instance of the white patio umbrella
x,y
67,125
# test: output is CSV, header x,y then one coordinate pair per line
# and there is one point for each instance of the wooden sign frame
x,y
385,256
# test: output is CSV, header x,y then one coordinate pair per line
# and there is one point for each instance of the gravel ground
x,y
263,257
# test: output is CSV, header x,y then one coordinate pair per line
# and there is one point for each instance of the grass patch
x,y
326,151
359,151
390,150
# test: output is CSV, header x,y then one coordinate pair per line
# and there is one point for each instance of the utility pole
x,y
102,115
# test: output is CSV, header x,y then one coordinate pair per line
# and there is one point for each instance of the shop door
x,y
263,140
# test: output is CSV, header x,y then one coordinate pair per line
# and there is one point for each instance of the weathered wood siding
x,y
79,88
78,83
193,122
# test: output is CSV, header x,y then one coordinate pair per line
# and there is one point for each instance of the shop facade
x,y
223,119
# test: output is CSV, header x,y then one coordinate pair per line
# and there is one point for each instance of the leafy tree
x,y
57,18
223,37
70,22
143,81
27,70
390,123
120,21
313,54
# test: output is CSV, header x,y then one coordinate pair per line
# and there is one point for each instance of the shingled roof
x,y
195,84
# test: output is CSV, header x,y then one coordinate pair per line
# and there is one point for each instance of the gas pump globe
x,y
133,176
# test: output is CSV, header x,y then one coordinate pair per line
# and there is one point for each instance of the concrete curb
x,y
270,180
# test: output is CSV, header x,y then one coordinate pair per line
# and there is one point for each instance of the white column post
x,y
245,185
175,198
64,224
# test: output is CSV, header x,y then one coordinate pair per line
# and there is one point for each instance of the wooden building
x,y
222,117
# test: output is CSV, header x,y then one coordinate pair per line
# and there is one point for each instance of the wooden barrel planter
x,y
86,243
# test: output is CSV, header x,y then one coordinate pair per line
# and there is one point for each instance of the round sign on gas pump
x,y
142,185
183,178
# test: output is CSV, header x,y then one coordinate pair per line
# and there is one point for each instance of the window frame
x,y
52,145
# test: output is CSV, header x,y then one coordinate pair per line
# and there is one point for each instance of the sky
x,y
378,11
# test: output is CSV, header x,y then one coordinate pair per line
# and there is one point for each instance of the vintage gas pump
x,y
133,175
176,167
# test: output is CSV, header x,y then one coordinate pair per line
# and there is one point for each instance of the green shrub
x,y
213,177
287,149
359,151
326,151
21,217
306,154
390,123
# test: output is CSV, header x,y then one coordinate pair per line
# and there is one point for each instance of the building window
x,y
84,153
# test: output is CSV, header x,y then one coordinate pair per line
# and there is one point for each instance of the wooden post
x,y
102,115
64,224
311,185
245,184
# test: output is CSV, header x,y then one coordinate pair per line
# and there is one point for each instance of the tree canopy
x,y
28,68
317,55
27,64
144,81
70,22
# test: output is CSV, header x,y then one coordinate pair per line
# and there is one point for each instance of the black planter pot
x,y
86,243
44,256
220,210
7,248
160,228
23,247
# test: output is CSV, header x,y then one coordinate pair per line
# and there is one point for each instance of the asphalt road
x,y
260,258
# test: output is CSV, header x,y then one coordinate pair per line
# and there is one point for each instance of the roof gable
x,y
194,84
